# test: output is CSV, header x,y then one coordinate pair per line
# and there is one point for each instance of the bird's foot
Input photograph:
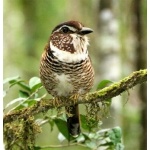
x,y
75,98
56,102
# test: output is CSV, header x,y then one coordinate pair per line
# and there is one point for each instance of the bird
x,y
66,69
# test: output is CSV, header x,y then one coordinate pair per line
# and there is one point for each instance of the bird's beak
x,y
85,30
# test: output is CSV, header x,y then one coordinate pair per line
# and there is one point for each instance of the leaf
x,y
62,127
34,83
84,122
24,86
31,102
16,80
7,80
80,138
120,146
94,135
103,84
61,137
51,122
86,136
111,138
41,121
115,135
91,144
110,144
26,103
23,94
37,148
14,101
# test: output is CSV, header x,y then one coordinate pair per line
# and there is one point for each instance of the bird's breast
x,y
65,79
64,85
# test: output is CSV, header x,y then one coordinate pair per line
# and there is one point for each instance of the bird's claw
x,y
74,98
56,102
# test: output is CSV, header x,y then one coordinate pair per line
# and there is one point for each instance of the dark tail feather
x,y
73,120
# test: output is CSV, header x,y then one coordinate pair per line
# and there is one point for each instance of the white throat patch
x,y
80,46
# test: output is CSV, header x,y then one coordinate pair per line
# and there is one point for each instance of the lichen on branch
x,y
115,89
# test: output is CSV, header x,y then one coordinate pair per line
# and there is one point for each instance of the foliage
x,y
115,47
28,94
21,133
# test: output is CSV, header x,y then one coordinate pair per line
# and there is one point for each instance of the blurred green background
x,y
117,48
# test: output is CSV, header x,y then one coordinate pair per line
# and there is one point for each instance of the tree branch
x,y
109,92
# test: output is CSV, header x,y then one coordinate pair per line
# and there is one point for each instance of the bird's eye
x,y
65,29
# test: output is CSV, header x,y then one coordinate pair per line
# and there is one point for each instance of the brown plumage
x,y
66,68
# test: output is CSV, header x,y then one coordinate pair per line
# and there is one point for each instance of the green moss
x,y
20,134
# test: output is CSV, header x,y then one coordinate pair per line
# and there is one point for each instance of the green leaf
x,y
86,136
41,121
91,144
62,127
115,135
94,135
51,123
14,101
83,120
13,82
103,84
8,80
23,94
61,137
26,103
34,83
16,80
120,146
111,138
110,144
80,138
37,148
30,102
24,86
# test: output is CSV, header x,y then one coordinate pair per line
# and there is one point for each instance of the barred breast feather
x,y
64,79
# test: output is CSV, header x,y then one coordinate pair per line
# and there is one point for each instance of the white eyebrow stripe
x,y
70,28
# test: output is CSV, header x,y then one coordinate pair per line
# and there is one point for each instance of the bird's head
x,y
68,41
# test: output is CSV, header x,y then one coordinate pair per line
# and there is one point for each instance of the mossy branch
x,y
111,91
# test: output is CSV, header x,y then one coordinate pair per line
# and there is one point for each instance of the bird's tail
x,y
73,123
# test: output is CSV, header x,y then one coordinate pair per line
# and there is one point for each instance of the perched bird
x,y
66,69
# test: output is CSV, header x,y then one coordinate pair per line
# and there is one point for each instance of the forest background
x,y
118,47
